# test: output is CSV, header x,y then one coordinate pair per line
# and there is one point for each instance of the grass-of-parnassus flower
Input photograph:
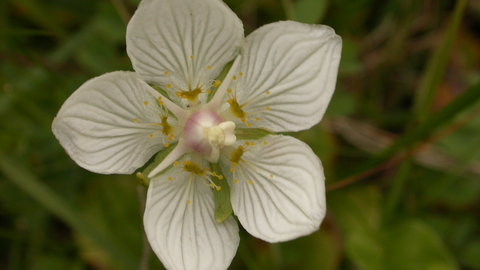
x,y
208,100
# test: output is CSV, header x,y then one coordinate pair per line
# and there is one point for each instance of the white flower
x,y
210,128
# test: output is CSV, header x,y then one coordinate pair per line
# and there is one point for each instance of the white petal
x,y
191,39
180,225
279,192
105,125
291,68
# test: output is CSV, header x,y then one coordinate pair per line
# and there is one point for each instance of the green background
x,y
400,141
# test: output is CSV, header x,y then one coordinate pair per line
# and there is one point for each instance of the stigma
x,y
206,133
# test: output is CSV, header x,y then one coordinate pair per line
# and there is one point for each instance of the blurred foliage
x,y
400,141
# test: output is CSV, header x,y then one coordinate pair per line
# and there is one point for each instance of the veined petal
x,y
180,224
185,43
109,125
277,188
287,75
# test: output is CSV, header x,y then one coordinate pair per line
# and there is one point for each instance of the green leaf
x,y
251,133
143,176
310,11
220,78
58,206
223,207
414,245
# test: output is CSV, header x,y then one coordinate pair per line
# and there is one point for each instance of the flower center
x,y
206,133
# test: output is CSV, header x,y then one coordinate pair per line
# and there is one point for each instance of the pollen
x,y
175,163
232,170
271,175
267,108
151,135
250,182
170,179
166,144
240,74
237,155
135,120
169,86
257,119
268,92
165,72
190,95
209,67
216,83
159,98
229,90
218,188
234,78
189,202
193,168
264,143
236,108
146,103
192,57
235,181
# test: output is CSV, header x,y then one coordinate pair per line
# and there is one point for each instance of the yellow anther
x,y
165,72
192,57
145,102
220,177
209,91
240,74
166,144
151,135
268,92
234,78
230,101
250,182
216,83
212,185
135,120
175,163
178,94
235,181
229,90
264,143
232,170
214,174
169,86
267,108
252,144
170,178
209,67
189,202
257,119
234,164
218,188
249,124
207,169
240,147
243,120
159,98
271,175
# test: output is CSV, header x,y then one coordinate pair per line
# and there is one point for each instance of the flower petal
x,y
192,40
287,75
180,224
277,188
105,126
